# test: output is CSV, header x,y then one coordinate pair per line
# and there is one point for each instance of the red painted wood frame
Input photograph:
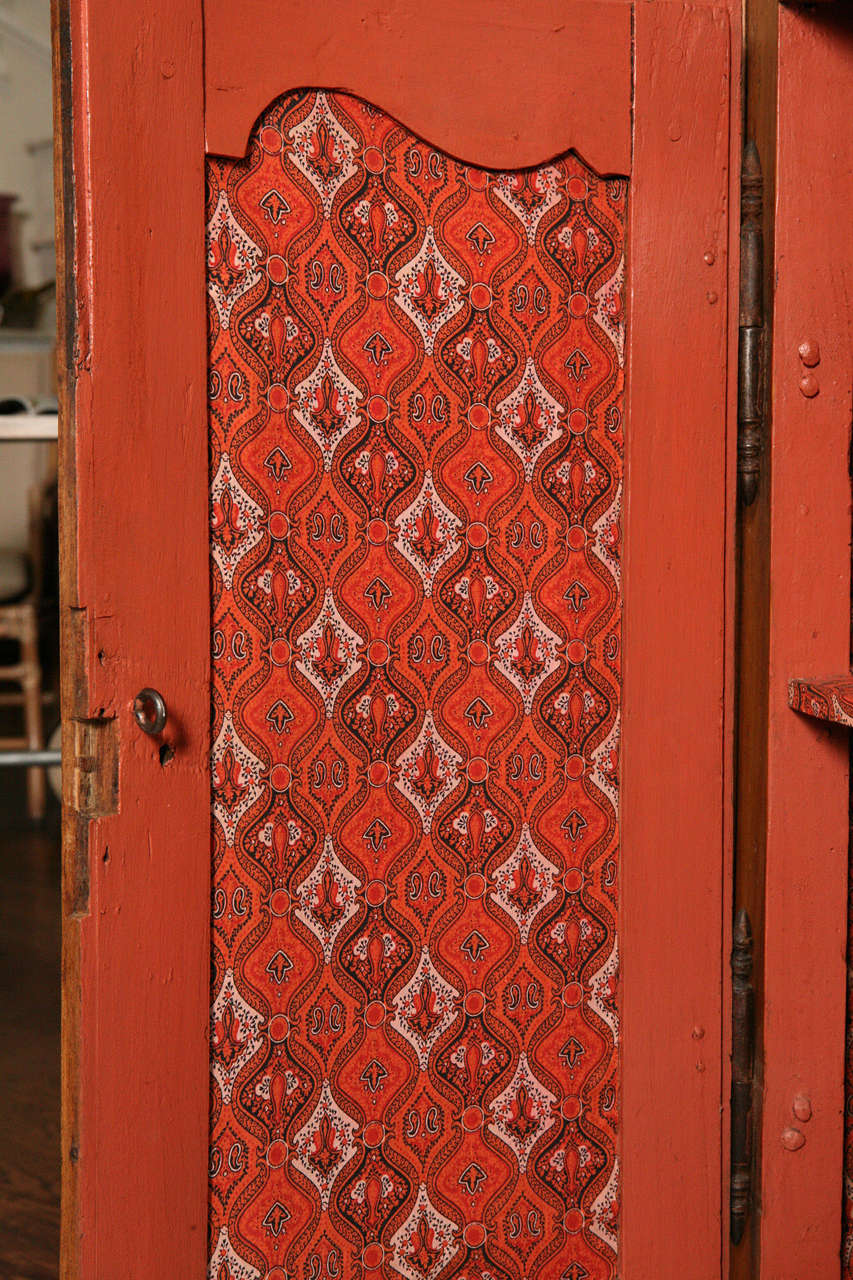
x,y
807,820
133,459
134,439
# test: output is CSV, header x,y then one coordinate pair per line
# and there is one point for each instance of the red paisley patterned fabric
x,y
416,465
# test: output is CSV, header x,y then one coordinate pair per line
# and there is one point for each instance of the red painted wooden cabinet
x,y
398,442
808,811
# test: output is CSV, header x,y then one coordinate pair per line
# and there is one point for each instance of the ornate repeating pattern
x,y
824,699
416,461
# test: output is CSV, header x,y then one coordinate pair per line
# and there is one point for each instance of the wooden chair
x,y
21,580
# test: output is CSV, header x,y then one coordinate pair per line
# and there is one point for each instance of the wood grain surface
x,y
675,750
135,613
807,807
494,82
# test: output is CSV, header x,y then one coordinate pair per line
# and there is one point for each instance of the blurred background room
x,y
29,707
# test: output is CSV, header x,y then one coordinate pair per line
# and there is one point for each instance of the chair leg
x,y
36,781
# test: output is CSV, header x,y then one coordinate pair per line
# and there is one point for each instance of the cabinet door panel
x,y
468,391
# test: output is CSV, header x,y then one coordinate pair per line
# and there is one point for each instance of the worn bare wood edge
x,y
94,782
73,691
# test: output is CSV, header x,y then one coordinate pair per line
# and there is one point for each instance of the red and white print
x,y
416,397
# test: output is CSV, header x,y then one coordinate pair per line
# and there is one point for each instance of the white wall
x,y
26,168
26,128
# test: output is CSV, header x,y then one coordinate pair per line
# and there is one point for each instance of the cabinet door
x,y
804,1131
422,532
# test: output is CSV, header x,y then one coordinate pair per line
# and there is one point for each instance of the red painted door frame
x,y
135,610
135,537
808,792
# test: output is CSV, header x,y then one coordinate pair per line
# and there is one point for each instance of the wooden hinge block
x,y
94,786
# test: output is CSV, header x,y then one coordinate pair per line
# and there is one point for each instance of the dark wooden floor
x,y
29,1039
